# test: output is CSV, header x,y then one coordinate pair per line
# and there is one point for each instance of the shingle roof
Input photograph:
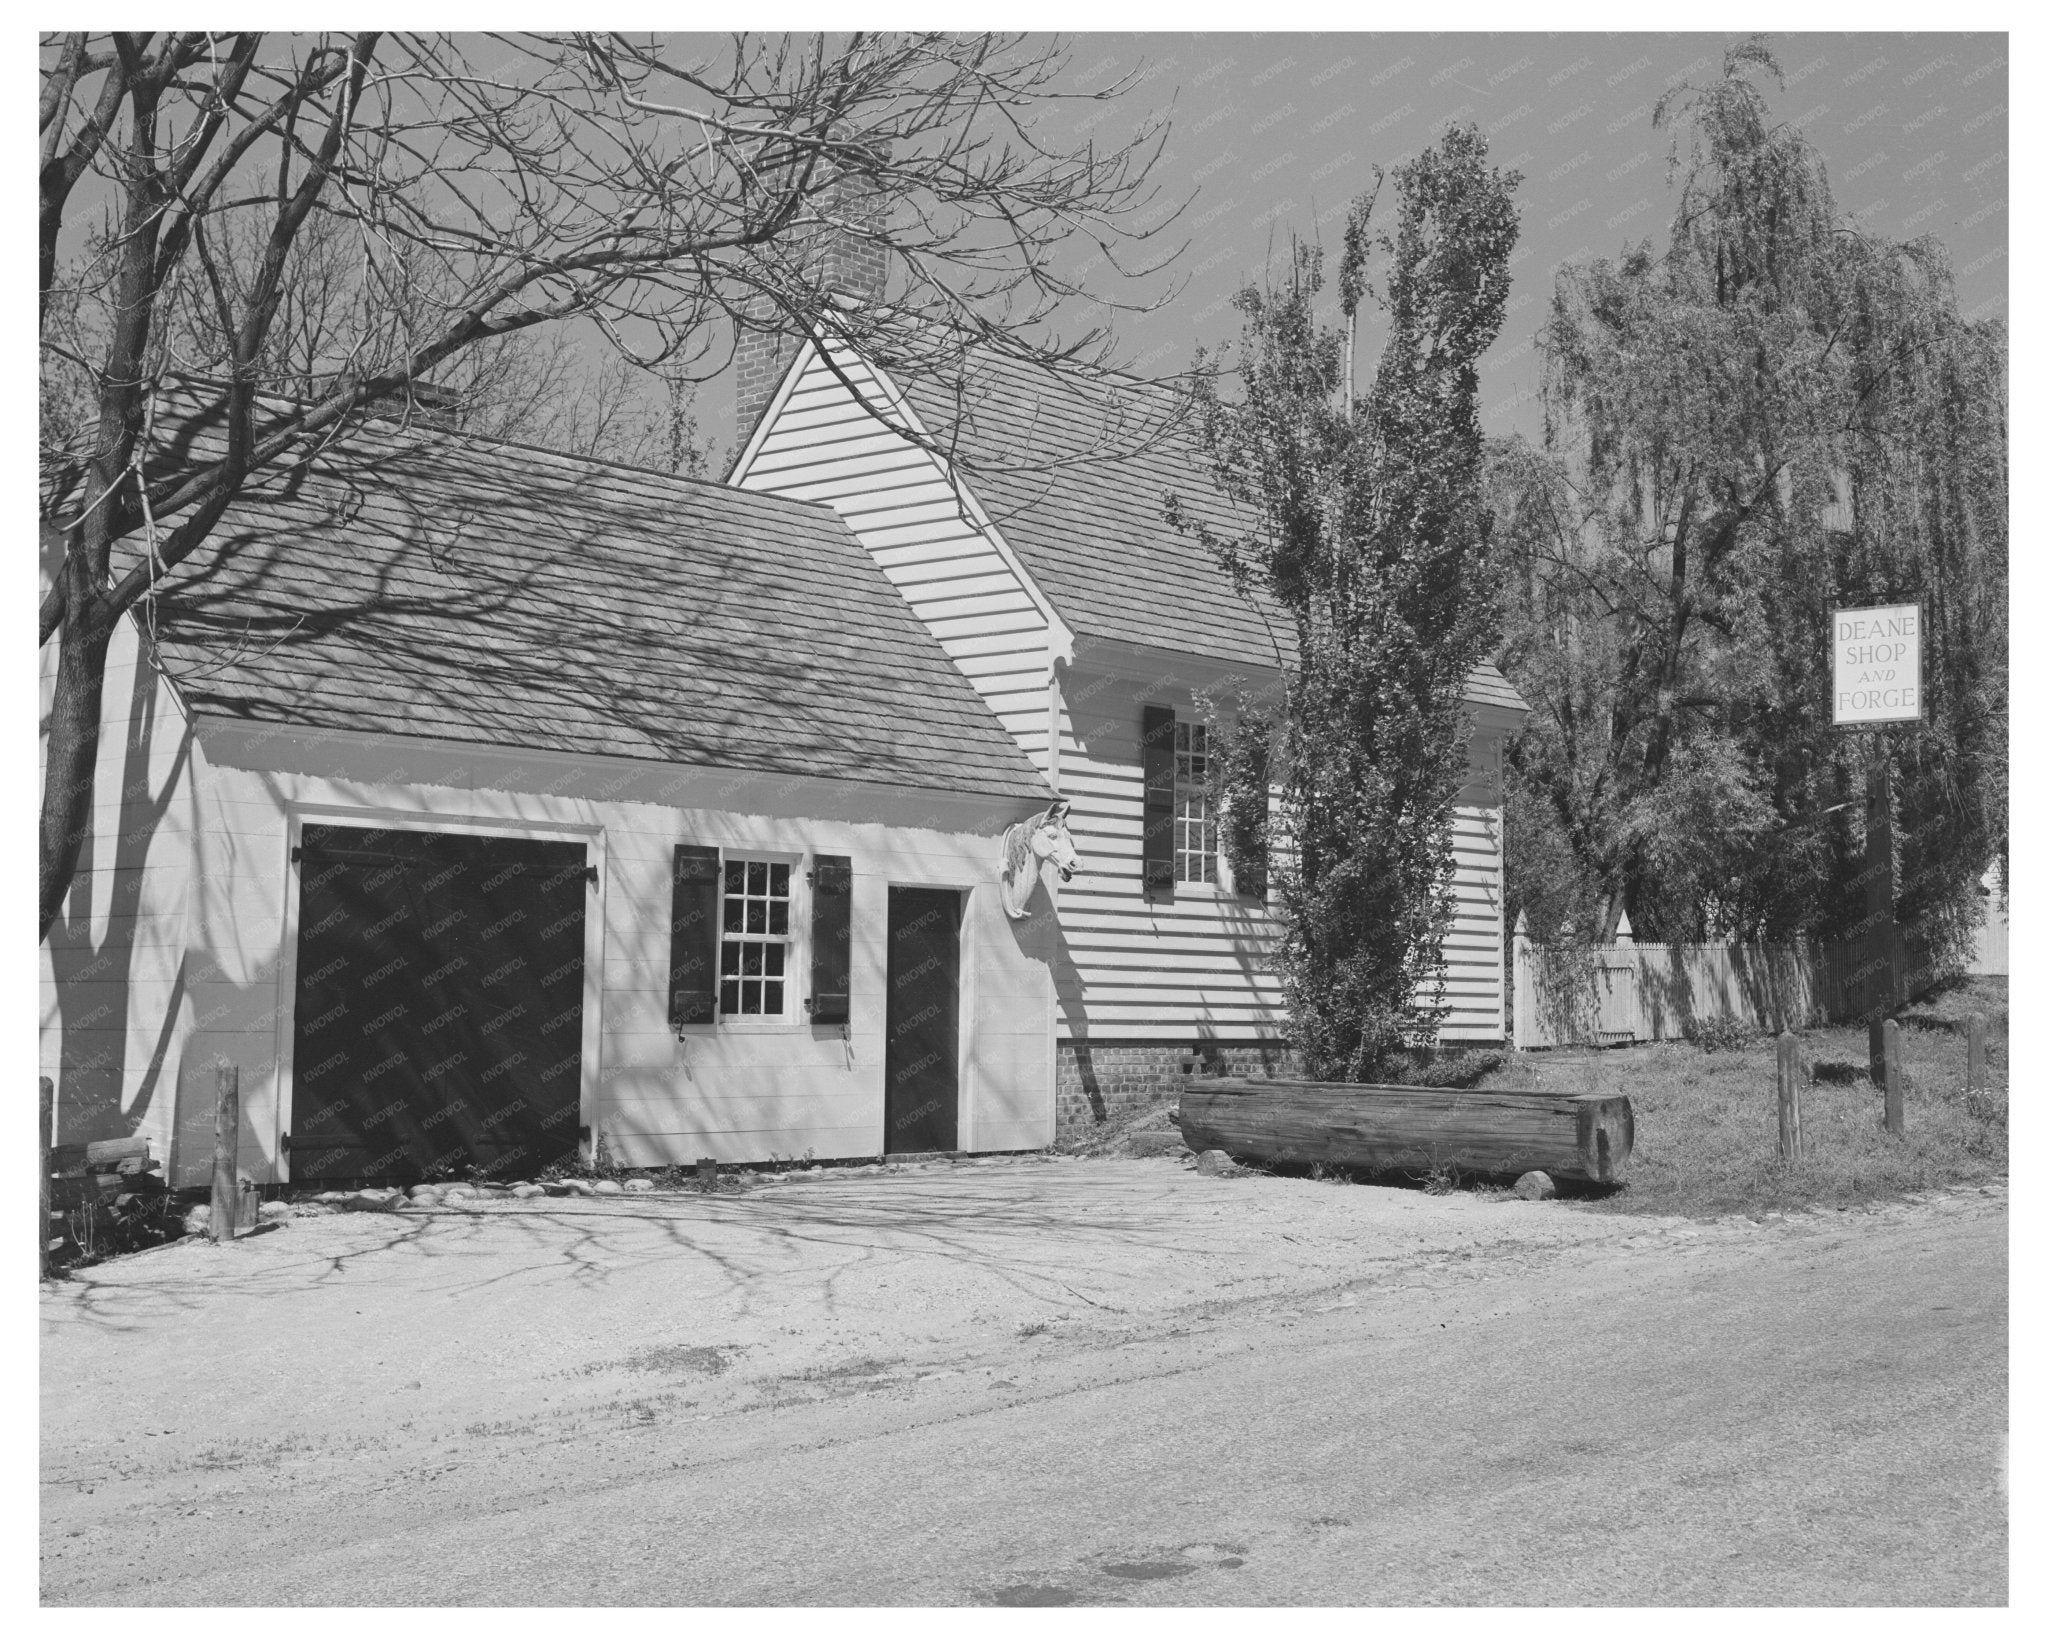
x,y
1083,506
418,583
1076,479
1485,685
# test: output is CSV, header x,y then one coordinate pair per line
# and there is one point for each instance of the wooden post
x,y
227,1133
1894,1081
1879,899
1522,980
1788,1097
1976,1078
1880,892
43,1122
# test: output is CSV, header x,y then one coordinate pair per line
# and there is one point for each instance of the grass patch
x,y
1112,1138
1707,1118
1441,1179
863,1367
678,1357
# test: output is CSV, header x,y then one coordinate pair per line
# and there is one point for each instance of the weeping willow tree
x,y
1367,526
1774,416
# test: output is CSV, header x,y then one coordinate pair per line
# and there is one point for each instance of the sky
x,y
1273,134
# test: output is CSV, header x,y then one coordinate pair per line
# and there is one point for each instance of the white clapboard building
x,y
482,803
1094,630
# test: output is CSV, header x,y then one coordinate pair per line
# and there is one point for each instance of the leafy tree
x,y
1367,526
1238,778
303,228
1775,416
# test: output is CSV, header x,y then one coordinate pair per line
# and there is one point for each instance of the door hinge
x,y
590,871
297,853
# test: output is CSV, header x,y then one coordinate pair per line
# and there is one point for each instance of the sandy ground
x,y
466,1405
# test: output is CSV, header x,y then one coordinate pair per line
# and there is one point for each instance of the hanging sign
x,y
1877,665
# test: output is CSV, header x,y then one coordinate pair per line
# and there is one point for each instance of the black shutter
x,y
1158,743
831,938
693,937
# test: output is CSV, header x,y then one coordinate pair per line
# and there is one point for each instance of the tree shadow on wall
x,y
97,982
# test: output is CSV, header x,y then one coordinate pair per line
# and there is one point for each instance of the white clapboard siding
x,y
176,947
1200,964
1472,965
824,446
736,1094
116,987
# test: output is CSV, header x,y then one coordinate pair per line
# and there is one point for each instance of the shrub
x,y
1718,1035
97,1229
1441,1179
1988,1105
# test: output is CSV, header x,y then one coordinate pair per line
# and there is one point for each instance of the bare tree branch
x,y
302,228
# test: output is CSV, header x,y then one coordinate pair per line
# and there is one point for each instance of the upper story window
x,y
753,954
1194,818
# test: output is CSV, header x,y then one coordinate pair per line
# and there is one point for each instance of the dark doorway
x,y
438,1015
921,1064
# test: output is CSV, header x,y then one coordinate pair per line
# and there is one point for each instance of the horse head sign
x,y
1028,847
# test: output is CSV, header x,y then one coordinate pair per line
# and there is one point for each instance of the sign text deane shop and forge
x,y
1877,665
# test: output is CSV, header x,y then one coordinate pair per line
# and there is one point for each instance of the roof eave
x,y
1491,714
265,745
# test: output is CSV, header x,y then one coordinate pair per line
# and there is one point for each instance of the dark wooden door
x,y
438,1013
921,1063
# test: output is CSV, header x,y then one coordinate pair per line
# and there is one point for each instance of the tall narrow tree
x,y
1368,528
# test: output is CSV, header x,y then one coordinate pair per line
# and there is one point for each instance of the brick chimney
x,y
853,269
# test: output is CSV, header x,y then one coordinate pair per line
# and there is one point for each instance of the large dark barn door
x,y
921,1059
438,1019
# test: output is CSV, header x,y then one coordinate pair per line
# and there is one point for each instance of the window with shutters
x,y
1194,818
753,952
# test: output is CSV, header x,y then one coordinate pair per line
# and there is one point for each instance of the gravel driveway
x,y
351,1380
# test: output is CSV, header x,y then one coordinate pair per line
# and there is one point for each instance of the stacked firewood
x,y
107,1196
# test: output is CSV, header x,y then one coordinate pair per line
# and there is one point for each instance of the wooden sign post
x,y
1788,1097
43,1121
1976,1077
227,1132
1877,682
1894,1081
1880,896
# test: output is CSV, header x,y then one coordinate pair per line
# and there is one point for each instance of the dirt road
x,y
1037,1383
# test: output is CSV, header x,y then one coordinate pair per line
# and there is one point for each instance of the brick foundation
x,y
1101,1080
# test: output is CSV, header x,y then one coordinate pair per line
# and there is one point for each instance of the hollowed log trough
x,y
1584,1137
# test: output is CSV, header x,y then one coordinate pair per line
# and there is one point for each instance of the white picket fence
x,y
1993,935
1993,953
1609,994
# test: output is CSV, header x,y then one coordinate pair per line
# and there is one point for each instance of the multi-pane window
x,y
1194,821
753,954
